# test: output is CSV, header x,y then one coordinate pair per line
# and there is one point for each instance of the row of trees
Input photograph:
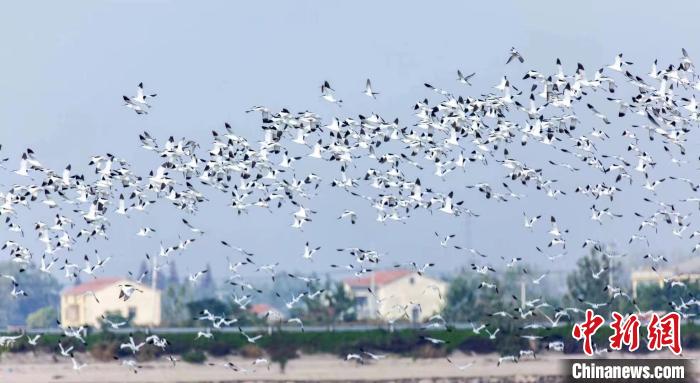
x,y
466,302
595,279
181,302
41,300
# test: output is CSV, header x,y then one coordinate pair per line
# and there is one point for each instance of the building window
x,y
72,313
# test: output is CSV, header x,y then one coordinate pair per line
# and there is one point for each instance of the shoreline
x,y
28,368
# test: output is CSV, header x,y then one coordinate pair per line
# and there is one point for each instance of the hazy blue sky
x,y
65,67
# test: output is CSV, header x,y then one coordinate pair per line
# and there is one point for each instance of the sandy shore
x,y
26,368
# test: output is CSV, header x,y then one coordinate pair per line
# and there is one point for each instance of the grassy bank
x,y
105,345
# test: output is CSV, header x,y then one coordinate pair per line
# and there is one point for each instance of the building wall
x,y
77,310
369,309
648,277
411,290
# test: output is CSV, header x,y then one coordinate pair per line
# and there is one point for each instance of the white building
x,y
397,294
687,271
79,307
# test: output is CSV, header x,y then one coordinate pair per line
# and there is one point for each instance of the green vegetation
x,y
282,349
334,305
467,303
194,356
284,346
655,297
44,292
584,286
45,317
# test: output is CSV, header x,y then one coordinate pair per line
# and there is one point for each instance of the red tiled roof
x,y
94,285
380,278
260,308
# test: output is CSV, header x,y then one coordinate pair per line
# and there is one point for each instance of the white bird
x,y
121,206
127,290
492,335
507,358
114,325
460,367
131,364
444,240
260,361
250,339
368,90
349,214
539,279
356,357
138,103
617,65
530,222
597,274
309,252
433,340
145,232
373,356
77,366
195,277
464,79
204,334
331,98
192,228
297,321
23,166
514,54
33,340
65,351
131,345
46,268
8,341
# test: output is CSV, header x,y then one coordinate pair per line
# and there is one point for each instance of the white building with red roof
x,y
85,304
267,312
396,295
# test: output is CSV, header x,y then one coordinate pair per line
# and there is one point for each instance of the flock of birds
x,y
397,170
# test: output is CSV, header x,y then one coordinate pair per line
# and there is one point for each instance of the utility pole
x,y
154,281
610,276
523,295
154,275
468,227
371,299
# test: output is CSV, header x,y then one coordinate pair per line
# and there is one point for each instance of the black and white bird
x,y
310,251
514,54
138,103
368,90
464,79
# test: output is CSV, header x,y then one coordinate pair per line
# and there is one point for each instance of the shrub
x,y
281,350
251,351
219,348
45,317
104,351
147,353
479,345
689,340
194,356
511,344
428,351
572,347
